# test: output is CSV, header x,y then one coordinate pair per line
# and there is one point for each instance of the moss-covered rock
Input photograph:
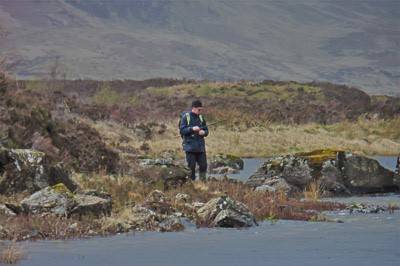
x,y
56,199
316,158
338,172
28,170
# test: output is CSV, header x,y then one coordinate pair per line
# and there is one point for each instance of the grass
x,y
11,252
313,191
362,137
127,191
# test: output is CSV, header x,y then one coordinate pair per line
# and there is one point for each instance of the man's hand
x,y
202,132
196,129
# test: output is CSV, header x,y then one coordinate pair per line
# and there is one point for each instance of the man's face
x,y
197,110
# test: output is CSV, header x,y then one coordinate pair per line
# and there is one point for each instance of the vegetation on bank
x,y
363,137
11,252
126,191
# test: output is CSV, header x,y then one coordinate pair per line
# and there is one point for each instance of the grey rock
x,y
89,204
226,160
338,173
174,224
225,212
26,170
169,175
224,170
366,175
57,200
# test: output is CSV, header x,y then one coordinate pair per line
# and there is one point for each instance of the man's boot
x,y
203,177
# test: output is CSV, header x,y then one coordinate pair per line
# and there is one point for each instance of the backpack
x,y
186,113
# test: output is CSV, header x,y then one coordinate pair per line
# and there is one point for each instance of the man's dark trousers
x,y
196,157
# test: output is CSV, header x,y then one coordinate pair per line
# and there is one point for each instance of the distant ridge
x,y
355,43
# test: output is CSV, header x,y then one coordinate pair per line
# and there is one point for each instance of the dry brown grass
x,y
261,204
11,252
362,137
122,189
313,191
34,227
126,191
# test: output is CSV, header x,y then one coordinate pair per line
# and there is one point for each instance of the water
x,y
363,239
388,162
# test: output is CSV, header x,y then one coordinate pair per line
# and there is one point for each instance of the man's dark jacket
x,y
192,141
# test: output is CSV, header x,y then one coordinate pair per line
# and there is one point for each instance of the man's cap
x,y
197,103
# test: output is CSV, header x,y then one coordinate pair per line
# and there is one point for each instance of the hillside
x,y
92,125
343,42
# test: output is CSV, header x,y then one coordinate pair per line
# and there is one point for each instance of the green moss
x,y
227,156
62,189
317,157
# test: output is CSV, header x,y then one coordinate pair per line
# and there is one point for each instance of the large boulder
x,y
162,172
338,173
365,175
27,170
21,170
226,160
57,200
225,212
92,202
60,201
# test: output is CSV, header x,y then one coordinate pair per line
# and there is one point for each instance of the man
x,y
193,128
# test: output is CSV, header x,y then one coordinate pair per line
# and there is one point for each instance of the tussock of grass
x,y
11,252
314,191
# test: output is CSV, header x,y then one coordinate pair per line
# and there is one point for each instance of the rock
x,y
57,200
12,209
365,175
59,174
338,172
182,197
169,175
396,178
89,204
224,170
225,212
174,224
158,202
226,160
23,170
358,207
141,218
224,178
9,209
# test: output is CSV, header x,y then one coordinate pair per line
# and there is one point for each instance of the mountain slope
x,y
352,42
